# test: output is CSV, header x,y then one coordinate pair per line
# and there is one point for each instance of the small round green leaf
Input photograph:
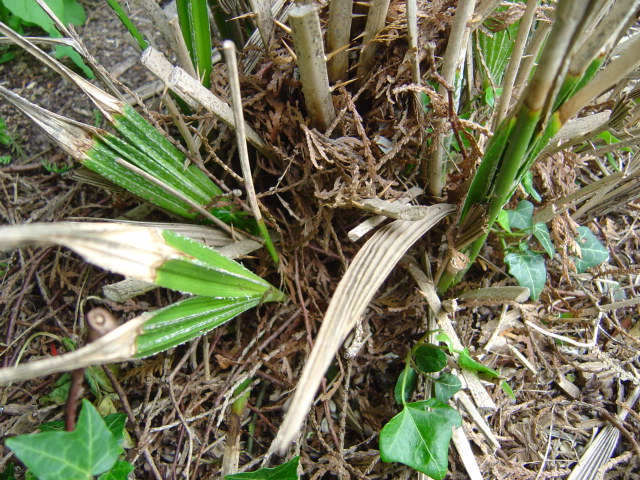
x,y
429,358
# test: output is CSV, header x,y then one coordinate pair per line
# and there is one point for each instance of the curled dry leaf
x,y
369,269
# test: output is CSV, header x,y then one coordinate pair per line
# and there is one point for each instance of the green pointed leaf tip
x,y
429,358
520,217
592,252
419,438
444,338
407,381
529,270
89,450
203,271
446,386
286,471
541,232
465,361
186,320
506,388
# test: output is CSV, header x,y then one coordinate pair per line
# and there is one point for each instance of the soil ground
x,y
563,392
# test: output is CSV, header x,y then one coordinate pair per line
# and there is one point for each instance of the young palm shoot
x,y
223,288
193,16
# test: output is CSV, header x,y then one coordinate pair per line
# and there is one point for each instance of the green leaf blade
x,y
541,232
466,362
286,471
186,320
203,271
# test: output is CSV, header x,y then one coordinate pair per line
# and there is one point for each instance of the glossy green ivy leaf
x,y
407,381
91,449
68,11
429,358
592,252
286,471
120,471
446,386
465,361
420,438
528,269
115,422
520,217
541,232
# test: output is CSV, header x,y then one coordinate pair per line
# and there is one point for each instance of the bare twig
x,y
338,32
375,23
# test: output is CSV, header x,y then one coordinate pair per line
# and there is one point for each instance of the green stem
x,y
122,15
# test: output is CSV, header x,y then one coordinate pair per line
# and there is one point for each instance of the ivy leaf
x,y
520,217
420,438
528,269
444,338
89,450
503,220
446,386
541,232
592,252
407,380
68,11
465,361
286,471
115,422
120,471
429,358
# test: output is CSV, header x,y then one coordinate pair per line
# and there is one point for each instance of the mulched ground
x,y
178,409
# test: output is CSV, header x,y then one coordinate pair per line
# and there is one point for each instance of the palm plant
x,y
501,99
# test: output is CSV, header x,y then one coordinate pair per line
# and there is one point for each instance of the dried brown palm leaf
x,y
369,269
